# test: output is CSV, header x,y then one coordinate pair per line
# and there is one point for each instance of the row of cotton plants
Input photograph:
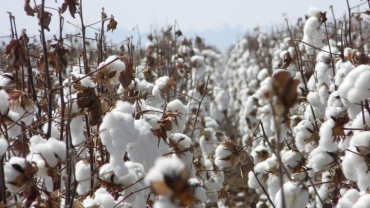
x,y
121,127
304,121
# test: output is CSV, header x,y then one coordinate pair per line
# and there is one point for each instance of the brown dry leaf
x,y
126,76
87,98
71,4
338,129
323,17
19,99
112,24
287,60
357,58
160,188
15,50
285,88
31,195
234,149
28,9
46,18
338,176
222,193
58,57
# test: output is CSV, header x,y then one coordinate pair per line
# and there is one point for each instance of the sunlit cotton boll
x,y
296,196
83,175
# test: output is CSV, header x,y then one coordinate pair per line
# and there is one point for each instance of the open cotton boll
x,y
112,64
261,173
4,102
327,143
363,201
181,141
319,160
117,65
179,122
354,166
12,169
148,142
162,82
348,199
221,98
304,138
83,175
47,153
77,130
117,130
355,85
313,11
124,107
3,146
296,196
23,114
221,153
103,198
199,69
59,148
89,202
164,166
210,123
291,159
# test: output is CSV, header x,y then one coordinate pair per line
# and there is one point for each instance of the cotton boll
x,y
113,64
221,98
259,154
181,141
354,166
11,173
3,146
59,148
221,153
355,92
116,131
207,142
261,173
199,68
164,166
4,106
326,142
103,198
304,138
77,130
291,159
319,160
89,202
295,196
83,176
148,142
24,114
179,122
210,123
348,199
124,107
363,201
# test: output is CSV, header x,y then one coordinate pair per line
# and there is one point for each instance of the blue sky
x,y
220,22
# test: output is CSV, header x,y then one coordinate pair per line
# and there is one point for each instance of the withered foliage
x,y
285,88
338,129
15,50
71,4
112,25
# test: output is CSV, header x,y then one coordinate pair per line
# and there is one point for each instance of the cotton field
x,y
278,120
